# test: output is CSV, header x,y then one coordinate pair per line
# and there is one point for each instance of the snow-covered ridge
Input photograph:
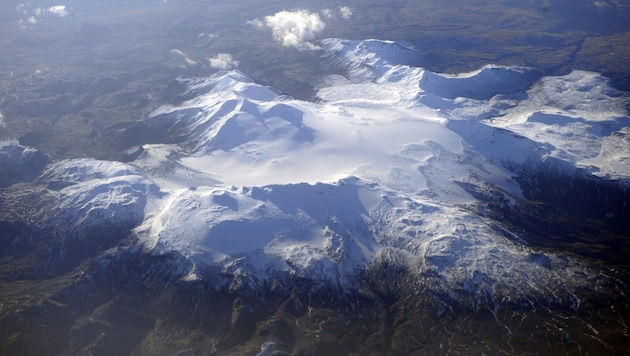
x,y
482,84
313,231
243,180
224,112
19,163
369,59
88,192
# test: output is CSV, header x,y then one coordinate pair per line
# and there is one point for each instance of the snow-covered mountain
x,y
240,185
318,190
240,178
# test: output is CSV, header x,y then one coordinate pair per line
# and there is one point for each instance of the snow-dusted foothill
x,y
69,210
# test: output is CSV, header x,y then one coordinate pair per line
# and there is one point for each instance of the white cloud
x,y
2,124
293,28
22,8
209,36
223,61
58,10
256,22
188,61
32,16
327,13
346,12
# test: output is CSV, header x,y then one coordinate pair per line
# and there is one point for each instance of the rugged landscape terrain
x,y
402,212
463,189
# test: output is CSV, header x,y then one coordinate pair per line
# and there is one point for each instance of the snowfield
x,y
254,183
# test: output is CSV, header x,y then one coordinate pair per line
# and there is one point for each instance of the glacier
x,y
239,179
